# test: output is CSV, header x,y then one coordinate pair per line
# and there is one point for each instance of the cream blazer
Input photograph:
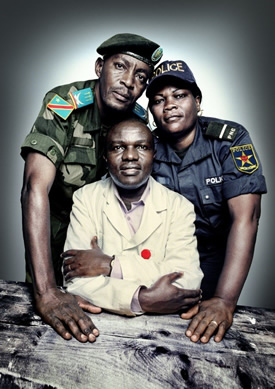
x,y
167,230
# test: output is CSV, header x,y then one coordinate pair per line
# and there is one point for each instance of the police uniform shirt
x,y
220,164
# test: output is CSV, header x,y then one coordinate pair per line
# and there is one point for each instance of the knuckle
x,y
83,320
198,318
225,324
204,322
210,331
56,324
193,325
65,308
87,331
69,322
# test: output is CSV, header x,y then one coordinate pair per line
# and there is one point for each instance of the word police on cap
x,y
168,67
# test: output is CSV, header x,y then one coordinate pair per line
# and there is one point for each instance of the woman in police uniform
x,y
214,164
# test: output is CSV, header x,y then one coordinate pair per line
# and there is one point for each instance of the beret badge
x,y
157,54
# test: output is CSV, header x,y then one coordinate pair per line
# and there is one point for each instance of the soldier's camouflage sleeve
x,y
49,134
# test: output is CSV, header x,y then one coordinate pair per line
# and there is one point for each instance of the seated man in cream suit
x,y
144,254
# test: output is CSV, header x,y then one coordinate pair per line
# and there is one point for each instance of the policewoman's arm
x,y
55,307
216,314
242,187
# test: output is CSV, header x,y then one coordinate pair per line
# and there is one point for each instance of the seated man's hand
x,y
163,297
63,312
213,316
86,263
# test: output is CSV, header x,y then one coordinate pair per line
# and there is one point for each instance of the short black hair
x,y
130,120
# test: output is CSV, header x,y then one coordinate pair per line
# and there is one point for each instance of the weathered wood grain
x,y
149,351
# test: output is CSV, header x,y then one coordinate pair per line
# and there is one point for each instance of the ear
x,y
198,103
99,66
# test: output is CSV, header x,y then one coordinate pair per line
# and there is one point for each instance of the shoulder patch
x,y
82,97
61,107
245,158
221,131
141,112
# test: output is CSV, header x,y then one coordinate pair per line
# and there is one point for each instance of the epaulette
x,y
141,112
221,131
80,98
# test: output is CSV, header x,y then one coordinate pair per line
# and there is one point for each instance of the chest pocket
x,y
213,205
80,164
81,151
165,181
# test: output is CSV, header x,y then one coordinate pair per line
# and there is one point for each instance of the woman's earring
x,y
199,110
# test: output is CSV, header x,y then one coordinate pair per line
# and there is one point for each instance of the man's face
x,y
122,80
130,154
174,109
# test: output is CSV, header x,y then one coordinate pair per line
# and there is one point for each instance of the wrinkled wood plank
x,y
149,351
123,362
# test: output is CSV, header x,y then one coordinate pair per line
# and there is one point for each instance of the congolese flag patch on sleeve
x,y
245,158
60,106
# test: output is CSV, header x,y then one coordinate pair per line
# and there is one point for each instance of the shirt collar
x,y
199,149
141,201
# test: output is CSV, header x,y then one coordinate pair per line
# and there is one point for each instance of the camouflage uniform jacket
x,y
75,146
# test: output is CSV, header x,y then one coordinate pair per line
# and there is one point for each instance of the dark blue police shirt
x,y
213,170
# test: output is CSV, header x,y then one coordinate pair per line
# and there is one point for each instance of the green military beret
x,y
135,45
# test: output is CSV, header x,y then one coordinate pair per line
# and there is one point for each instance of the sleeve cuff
x,y
44,145
244,185
116,269
135,305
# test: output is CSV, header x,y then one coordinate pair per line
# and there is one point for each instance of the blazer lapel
x,y
151,218
114,213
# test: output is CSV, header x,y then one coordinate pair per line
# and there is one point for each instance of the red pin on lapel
x,y
146,254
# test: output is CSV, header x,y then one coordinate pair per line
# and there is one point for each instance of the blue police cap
x,y
134,45
173,69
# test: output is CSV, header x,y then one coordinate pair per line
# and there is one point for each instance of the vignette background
x,y
228,45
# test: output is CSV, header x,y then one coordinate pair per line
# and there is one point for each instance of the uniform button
x,y
53,152
146,254
34,142
207,197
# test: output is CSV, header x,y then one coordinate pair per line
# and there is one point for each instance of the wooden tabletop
x,y
148,351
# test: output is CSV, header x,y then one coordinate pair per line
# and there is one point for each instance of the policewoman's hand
x,y
213,316
63,312
164,297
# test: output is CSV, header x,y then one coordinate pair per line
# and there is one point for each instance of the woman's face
x,y
175,110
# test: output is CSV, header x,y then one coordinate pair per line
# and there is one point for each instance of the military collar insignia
x,y
245,158
141,112
80,98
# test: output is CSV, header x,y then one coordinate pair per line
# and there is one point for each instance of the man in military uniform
x,y
63,152
214,164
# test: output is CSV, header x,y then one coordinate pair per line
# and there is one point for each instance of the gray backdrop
x,y
228,45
